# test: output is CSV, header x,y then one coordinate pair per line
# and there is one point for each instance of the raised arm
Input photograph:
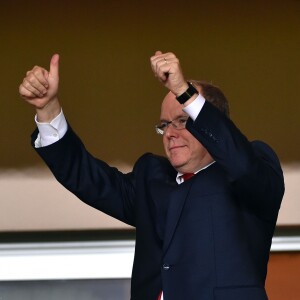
x,y
90,179
252,168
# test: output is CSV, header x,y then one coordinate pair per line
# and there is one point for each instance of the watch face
x,y
187,94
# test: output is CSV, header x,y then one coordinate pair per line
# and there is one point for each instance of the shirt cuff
x,y
50,133
194,108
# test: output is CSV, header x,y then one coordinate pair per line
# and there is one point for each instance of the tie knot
x,y
187,176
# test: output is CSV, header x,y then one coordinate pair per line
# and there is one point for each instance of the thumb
x,y
158,53
54,66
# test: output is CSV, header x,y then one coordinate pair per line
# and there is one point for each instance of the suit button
x,y
166,267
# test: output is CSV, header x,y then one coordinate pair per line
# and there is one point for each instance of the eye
x,y
182,120
163,125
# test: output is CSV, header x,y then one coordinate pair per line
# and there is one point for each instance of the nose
x,y
171,132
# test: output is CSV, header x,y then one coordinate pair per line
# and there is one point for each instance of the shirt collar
x,y
180,180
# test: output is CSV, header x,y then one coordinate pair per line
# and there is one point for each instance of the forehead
x,y
170,108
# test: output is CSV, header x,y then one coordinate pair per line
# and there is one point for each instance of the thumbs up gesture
x,y
166,67
40,88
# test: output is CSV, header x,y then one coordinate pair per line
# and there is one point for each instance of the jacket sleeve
x,y
253,168
90,179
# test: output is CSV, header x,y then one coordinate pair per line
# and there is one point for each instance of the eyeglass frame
x,y
176,125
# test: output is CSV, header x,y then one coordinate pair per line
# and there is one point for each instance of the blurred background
x,y
250,49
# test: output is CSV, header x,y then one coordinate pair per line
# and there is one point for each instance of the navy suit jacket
x,y
206,239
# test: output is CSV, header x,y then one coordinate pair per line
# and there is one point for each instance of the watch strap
x,y
187,94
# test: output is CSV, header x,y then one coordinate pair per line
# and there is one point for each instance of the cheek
x,y
165,143
166,147
197,150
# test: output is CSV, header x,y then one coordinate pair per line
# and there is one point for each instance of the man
x,y
203,238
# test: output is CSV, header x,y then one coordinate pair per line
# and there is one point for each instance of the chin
x,y
177,159
177,164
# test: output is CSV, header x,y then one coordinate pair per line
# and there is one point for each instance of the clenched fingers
x,y
35,84
164,64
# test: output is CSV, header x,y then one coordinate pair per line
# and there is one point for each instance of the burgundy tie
x,y
187,176
159,296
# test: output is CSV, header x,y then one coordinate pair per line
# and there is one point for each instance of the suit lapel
x,y
160,188
163,188
161,192
176,204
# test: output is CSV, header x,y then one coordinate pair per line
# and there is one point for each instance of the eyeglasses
x,y
178,123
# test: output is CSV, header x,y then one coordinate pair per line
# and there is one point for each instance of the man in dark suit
x,y
203,238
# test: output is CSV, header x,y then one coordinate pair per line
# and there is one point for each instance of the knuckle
x,y
37,70
31,78
26,84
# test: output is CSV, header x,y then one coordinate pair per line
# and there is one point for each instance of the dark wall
x,y
248,48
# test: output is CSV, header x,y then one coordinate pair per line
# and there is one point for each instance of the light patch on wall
x,y
290,209
33,200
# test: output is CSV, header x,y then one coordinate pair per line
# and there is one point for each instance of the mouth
x,y
175,147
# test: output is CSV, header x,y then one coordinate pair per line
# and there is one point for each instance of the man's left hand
x,y
166,68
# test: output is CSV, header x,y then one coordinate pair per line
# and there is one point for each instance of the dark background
x,y
250,49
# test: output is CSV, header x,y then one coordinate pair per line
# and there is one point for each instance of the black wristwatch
x,y
187,94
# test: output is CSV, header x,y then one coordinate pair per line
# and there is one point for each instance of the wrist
x,y
50,111
189,93
181,89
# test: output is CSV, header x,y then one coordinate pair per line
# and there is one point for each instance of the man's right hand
x,y
40,88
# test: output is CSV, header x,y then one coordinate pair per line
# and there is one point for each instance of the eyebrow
x,y
180,116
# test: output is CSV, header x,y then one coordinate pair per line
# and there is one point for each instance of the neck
x,y
205,162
